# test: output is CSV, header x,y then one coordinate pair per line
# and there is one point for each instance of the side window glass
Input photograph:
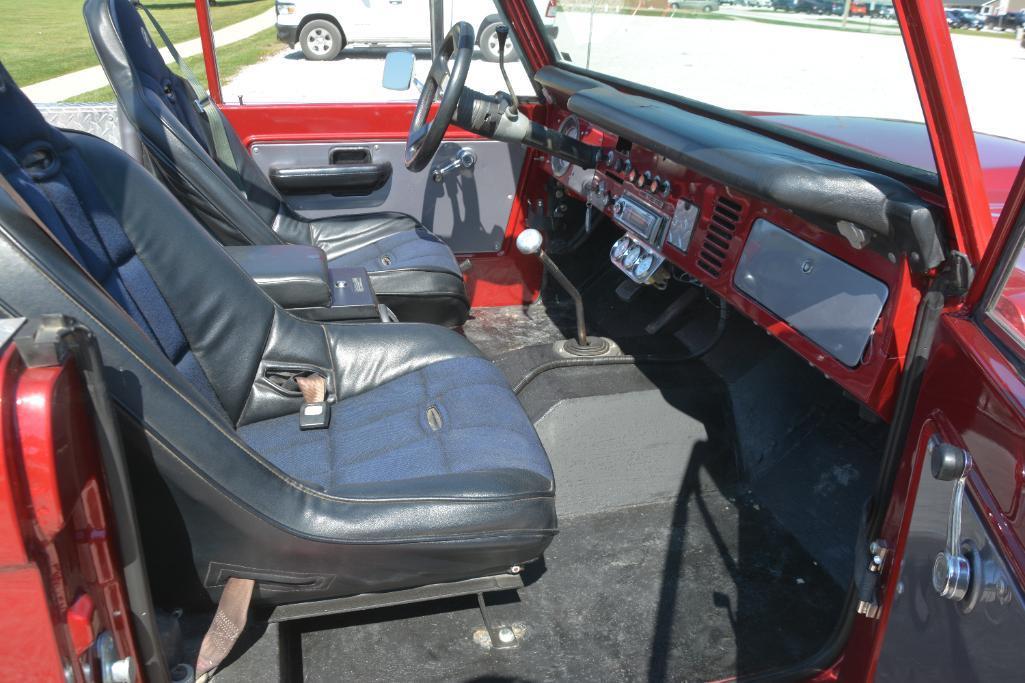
x,y
1008,307
333,51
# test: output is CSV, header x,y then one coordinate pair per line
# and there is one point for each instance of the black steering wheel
x,y
425,136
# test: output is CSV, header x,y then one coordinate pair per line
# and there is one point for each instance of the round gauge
x,y
643,267
632,256
570,127
620,247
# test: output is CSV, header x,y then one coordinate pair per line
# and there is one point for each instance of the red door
x,y
953,599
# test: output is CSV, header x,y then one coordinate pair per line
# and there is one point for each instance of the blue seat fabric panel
x,y
384,434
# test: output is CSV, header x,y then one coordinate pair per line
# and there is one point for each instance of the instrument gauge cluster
x,y
570,127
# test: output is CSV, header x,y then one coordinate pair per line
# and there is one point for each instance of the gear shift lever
x,y
529,242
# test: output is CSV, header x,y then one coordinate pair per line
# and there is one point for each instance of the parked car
x,y
815,6
703,5
963,18
323,28
858,9
1003,22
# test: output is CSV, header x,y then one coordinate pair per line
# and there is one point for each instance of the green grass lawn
x,y
231,59
42,39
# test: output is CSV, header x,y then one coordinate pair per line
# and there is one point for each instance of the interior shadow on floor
x,y
701,585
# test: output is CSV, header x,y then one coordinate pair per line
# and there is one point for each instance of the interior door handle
x,y
951,571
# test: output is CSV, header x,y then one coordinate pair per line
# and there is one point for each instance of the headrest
x,y
141,50
24,132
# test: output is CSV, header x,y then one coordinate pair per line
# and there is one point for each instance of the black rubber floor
x,y
700,588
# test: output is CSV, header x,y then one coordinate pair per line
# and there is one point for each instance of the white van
x,y
323,27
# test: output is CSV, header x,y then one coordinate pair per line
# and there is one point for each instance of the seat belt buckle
x,y
200,104
315,415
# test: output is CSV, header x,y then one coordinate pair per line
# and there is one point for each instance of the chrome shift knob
x,y
529,241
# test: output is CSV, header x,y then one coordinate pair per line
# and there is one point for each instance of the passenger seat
x,y
427,471
410,269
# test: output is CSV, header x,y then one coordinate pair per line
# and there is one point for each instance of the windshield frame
x,y
922,179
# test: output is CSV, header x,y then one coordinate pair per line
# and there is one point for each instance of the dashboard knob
x,y
655,184
618,207
628,167
610,157
644,179
666,188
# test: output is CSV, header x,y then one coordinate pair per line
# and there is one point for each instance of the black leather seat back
x,y
175,134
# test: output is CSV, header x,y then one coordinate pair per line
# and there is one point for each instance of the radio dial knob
x,y
666,188
655,183
617,208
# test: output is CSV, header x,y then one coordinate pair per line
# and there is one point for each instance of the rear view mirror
x,y
398,70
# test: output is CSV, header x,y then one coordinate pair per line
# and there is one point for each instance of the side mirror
x,y
398,70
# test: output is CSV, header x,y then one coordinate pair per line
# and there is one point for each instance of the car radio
x,y
637,252
639,219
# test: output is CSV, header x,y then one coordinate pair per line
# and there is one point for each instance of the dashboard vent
x,y
721,229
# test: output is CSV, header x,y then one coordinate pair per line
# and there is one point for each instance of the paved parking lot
x,y
738,63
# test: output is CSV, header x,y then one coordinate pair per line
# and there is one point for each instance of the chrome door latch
x,y
951,571
465,159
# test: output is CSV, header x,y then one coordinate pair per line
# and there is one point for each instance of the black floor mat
x,y
697,590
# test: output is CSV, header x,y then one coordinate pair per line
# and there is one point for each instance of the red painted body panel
x,y
931,53
61,582
206,38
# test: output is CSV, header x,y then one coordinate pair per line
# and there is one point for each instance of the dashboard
x,y
828,258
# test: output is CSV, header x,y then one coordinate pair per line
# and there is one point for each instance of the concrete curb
x,y
63,87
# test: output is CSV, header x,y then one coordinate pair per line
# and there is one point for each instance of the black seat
x,y
411,270
430,470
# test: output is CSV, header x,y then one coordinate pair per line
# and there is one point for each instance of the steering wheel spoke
x,y
415,136
439,71
446,85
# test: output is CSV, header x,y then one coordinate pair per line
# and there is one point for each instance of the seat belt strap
x,y
204,105
316,411
313,388
227,626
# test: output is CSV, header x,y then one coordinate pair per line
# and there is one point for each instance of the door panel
x,y
930,638
971,398
469,209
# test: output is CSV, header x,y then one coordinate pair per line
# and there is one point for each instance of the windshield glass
x,y
799,63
